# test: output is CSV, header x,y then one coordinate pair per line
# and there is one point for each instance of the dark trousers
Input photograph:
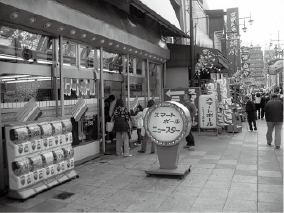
x,y
190,139
262,112
251,120
139,135
257,106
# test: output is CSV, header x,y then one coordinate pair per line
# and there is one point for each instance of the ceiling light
x,y
72,32
117,46
61,28
83,35
14,15
47,25
102,41
94,38
32,20
110,43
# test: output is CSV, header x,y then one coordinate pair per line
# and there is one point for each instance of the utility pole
x,y
192,71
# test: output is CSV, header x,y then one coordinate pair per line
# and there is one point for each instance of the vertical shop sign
x,y
207,112
234,43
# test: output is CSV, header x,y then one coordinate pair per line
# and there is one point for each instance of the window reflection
x,y
14,41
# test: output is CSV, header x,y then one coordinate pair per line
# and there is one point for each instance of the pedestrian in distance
x,y
146,139
251,113
274,119
263,101
190,106
257,105
139,122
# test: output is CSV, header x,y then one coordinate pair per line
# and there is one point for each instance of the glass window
x,y
69,53
86,57
139,66
84,130
112,62
21,46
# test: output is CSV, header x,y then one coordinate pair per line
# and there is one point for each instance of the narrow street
x,y
230,173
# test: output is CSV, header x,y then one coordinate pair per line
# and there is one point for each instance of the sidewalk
x,y
230,173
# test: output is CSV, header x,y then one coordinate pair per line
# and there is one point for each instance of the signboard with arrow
x,y
177,94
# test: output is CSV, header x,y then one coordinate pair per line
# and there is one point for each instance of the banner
x,y
233,43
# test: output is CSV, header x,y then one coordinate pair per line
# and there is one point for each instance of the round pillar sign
x,y
167,123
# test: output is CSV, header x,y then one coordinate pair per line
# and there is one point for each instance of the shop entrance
x,y
111,88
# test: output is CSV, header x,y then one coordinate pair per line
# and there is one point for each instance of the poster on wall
x,y
207,112
177,95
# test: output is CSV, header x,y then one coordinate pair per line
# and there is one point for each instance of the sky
x,y
268,16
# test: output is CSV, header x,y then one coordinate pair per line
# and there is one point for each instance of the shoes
x,y
277,147
129,155
191,148
186,146
255,128
152,152
268,143
141,151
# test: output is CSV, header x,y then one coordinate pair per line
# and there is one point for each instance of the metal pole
x,y
191,46
128,84
102,99
61,77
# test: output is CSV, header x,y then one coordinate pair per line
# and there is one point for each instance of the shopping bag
x,y
109,126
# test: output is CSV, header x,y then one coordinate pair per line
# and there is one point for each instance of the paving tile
x,y
187,191
270,188
270,207
242,194
227,162
80,189
223,171
204,166
200,171
26,204
200,209
226,166
139,206
214,192
116,183
213,157
11,209
246,172
244,186
161,188
217,184
247,161
208,161
193,183
226,178
270,167
246,167
197,176
270,180
270,174
244,179
208,203
235,205
48,206
176,203
94,182
90,200
270,197
75,208
101,192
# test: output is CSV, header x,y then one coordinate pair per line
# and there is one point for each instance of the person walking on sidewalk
x,y
257,105
264,99
146,138
190,106
274,119
251,113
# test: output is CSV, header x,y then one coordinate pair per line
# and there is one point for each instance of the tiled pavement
x,y
230,173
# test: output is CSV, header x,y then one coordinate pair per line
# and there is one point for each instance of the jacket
x,y
274,111
250,107
139,120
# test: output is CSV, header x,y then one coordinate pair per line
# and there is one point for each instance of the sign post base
x,y
181,171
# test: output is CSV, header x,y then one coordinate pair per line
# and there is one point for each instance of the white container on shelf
x,y
69,164
48,171
19,182
36,145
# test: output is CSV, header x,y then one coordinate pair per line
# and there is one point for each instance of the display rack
x,y
40,156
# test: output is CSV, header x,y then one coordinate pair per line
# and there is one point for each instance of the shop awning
x,y
163,13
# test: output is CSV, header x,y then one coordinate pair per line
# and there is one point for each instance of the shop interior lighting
x,y
72,32
83,35
110,43
47,25
117,46
61,28
94,38
13,76
102,41
19,81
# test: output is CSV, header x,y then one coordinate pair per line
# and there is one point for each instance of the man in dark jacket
x,y
274,119
251,113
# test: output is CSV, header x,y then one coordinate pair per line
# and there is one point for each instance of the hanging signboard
x,y
207,112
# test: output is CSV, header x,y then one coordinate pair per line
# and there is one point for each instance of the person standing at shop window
x,y
190,106
111,102
122,125
139,122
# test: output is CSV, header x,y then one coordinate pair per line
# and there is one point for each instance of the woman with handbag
x,y
121,118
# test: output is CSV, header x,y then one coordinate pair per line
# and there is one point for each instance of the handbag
x,y
120,125
109,126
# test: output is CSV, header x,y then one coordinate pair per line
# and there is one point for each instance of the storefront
x,y
65,53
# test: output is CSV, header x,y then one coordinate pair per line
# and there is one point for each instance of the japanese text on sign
x,y
208,112
165,123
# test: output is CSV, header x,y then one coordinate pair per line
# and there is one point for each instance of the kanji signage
x,y
207,112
